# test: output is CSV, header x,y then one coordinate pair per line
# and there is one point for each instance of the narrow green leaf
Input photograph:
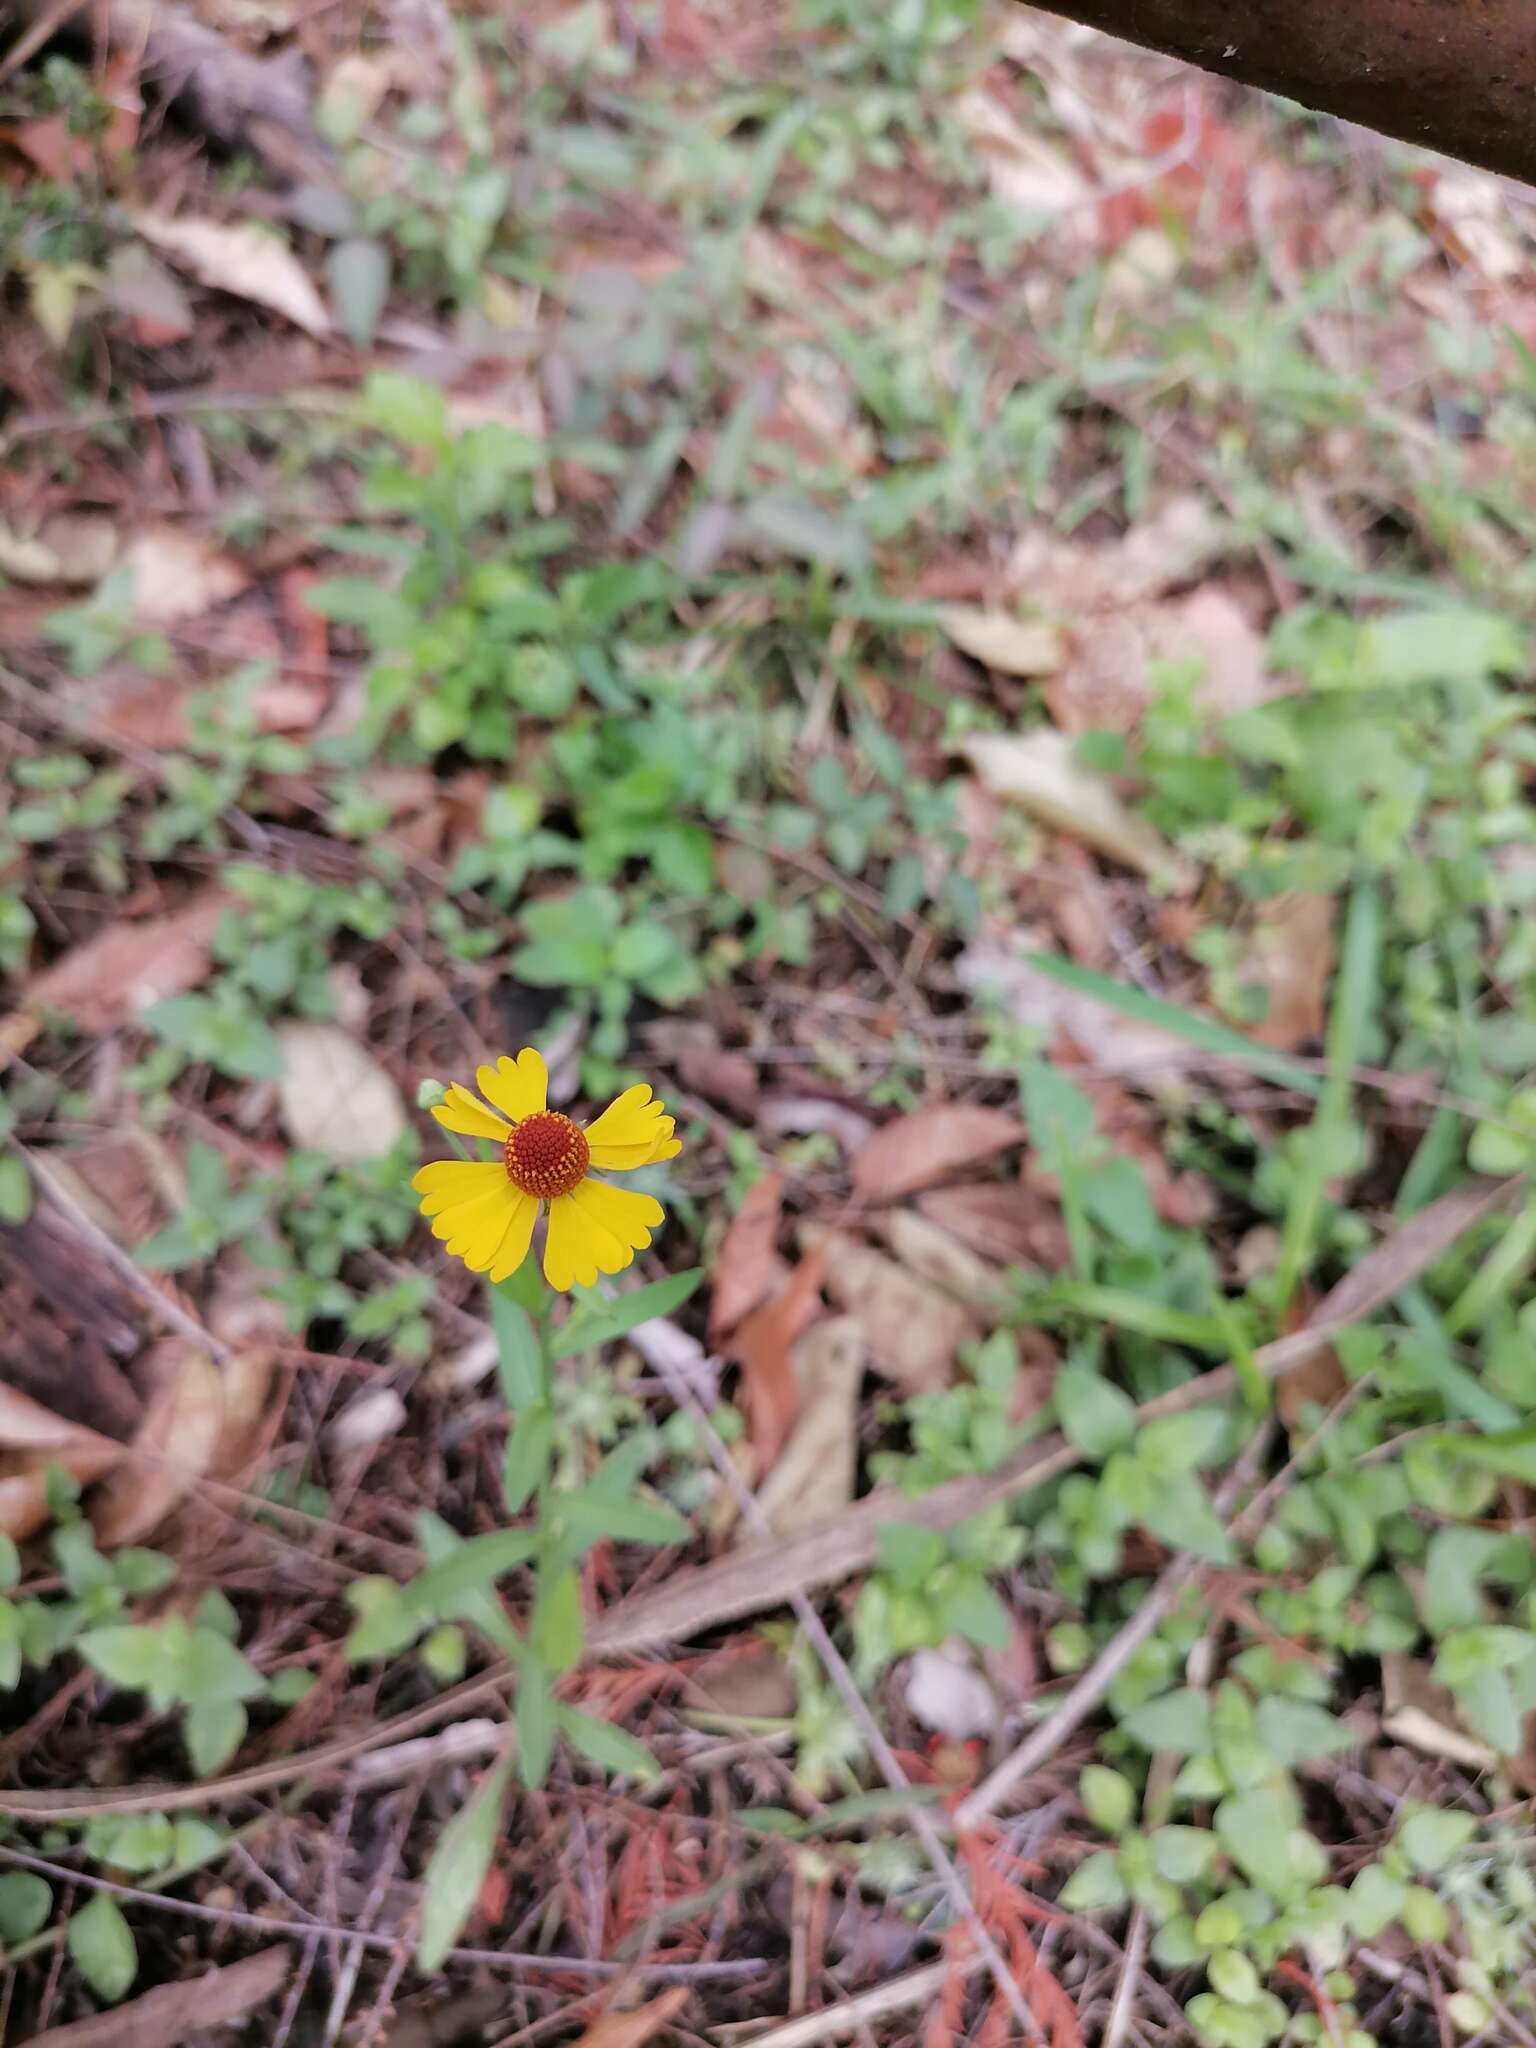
x,y
596,1323
606,1746
474,1566
593,1517
530,1446
456,1871
535,1723
519,1360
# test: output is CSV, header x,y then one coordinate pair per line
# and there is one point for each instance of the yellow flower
x,y
485,1213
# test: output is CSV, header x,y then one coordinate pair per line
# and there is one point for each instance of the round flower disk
x,y
484,1212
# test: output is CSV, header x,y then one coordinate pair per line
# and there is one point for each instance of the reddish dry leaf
x,y
762,1347
108,980
634,2028
929,1145
1002,1220
719,1075
1317,1382
1291,959
748,1264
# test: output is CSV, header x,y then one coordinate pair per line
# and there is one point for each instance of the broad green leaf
x,y
1096,1883
1096,1417
387,1621
1179,1514
1108,1798
1432,1837
518,1359
624,1521
1295,1732
102,1948
1509,1452
1179,1722
1183,1854
212,1672
457,1867
25,1903
1375,1900
909,1553
974,1611
1255,1831
599,1322
129,1653
214,1730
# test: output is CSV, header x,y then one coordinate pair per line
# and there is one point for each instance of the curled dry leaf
x,y
32,1438
334,1097
1000,640
634,2028
1038,771
930,1144
109,979
815,1473
911,1330
179,1434
748,1265
179,575
762,1345
240,260
76,549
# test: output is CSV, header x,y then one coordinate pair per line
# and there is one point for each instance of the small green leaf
x,y
606,1746
474,1566
358,273
214,1730
1095,1416
1179,1722
518,1359
1096,1883
387,1621
596,1323
1295,1732
456,1871
973,1610
530,1447
556,1631
15,1190
129,1653
1181,1854
1109,1799
102,1947
624,1521
535,1723
25,1903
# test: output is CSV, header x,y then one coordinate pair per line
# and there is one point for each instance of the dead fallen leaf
x,y
931,1252
174,2013
912,1331
112,977
928,1145
1002,641
753,1682
179,575
747,1266
1109,681
780,1114
761,1346
334,1097
1113,1043
1037,770
945,1692
1001,1219
32,1438
1025,172
634,2028
1317,1382
814,1475
181,1426
76,549
241,260
147,298
1290,956
1423,1714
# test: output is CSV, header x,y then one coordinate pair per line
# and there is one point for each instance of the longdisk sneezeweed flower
x,y
484,1212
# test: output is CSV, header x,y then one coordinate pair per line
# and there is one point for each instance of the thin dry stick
x,y
835,2022
1118,2024
1079,1702
772,1575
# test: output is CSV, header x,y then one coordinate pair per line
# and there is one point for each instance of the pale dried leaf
x,y
181,1427
240,260
1290,957
1000,1219
111,978
1002,641
929,1144
778,1114
911,1330
367,1420
76,549
1113,1043
334,1097
179,575
1037,770
1423,1714
1108,684
190,2008
935,1255
31,1439
633,2029
754,1682
945,1692
1025,172
747,1266
815,1472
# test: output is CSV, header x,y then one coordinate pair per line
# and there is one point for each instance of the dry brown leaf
x,y
1423,1714
1038,770
1026,173
815,1472
930,1144
174,2013
32,1438
778,1114
912,1331
241,260
1108,684
109,979
934,1254
76,549
182,1426
747,1265
1113,1043
1291,958
633,2029
761,1346
1001,1219
1002,641
1073,576
179,575
753,1682
334,1097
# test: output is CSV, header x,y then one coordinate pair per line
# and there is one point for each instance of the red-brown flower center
x,y
546,1155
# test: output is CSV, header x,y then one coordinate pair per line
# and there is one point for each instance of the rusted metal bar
x,y
1455,75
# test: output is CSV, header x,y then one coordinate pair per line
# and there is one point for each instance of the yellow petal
x,y
447,1182
515,1239
633,1119
596,1229
613,1158
461,1112
474,1230
517,1087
